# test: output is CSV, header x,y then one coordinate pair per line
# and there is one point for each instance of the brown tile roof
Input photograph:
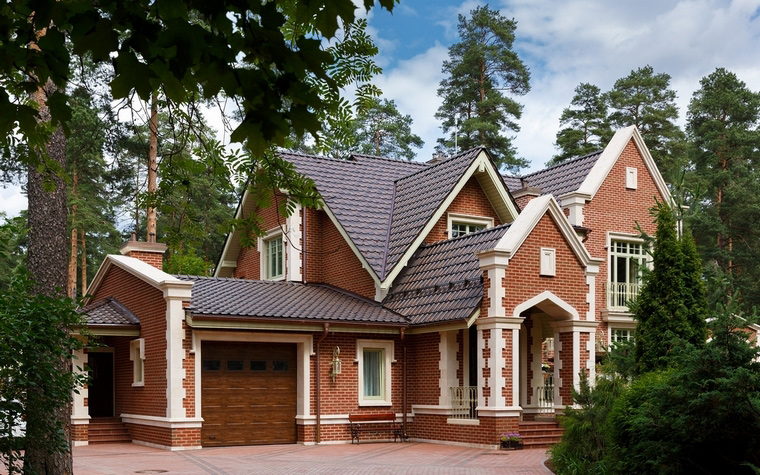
x,y
416,198
214,296
359,191
443,281
559,179
108,311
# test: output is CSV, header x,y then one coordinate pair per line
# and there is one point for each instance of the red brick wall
x,y
522,279
486,354
189,366
615,208
524,200
471,201
248,263
164,436
80,432
330,260
424,374
434,427
148,304
507,370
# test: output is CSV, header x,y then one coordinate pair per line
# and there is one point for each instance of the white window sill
x,y
374,403
138,385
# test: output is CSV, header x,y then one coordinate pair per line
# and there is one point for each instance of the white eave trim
x,y
223,261
610,155
480,164
168,284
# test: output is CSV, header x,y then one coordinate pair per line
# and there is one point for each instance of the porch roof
x,y
443,281
217,296
108,311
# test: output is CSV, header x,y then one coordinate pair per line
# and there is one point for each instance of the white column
x,y
175,355
448,366
294,246
496,406
79,412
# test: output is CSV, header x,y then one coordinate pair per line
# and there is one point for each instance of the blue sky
x,y
563,43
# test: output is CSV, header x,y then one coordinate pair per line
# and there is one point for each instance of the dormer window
x,y
462,225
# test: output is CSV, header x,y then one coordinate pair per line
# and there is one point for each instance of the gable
x,y
471,201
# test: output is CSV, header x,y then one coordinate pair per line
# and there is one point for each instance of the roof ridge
x,y
566,162
389,159
475,234
433,166
321,157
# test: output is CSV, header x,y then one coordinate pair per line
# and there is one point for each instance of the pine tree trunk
x,y
47,264
152,166
72,277
84,262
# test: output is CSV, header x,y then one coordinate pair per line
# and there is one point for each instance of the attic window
x,y
631,178
272,255
462,225
548,266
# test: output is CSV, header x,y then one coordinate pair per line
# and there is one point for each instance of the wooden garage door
x,y
248,393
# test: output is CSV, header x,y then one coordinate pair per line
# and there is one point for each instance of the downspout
x,y
403,386
319,406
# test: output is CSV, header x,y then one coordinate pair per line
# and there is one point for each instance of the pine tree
x,y
671,307
644,99
587,126
383,131
480,66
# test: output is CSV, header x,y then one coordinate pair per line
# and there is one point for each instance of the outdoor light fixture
x,y
335,363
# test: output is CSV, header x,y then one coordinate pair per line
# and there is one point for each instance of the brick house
x,y
465,302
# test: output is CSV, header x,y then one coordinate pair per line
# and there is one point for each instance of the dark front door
x,y
100,387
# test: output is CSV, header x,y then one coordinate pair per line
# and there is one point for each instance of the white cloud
x,y
12,200
413,84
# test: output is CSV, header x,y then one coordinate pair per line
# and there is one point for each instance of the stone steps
x,y
542,434
108,430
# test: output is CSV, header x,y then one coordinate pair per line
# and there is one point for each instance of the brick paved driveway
x,y
371,458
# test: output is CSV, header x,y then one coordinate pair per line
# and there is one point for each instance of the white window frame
x,y
548,262
614,237
631,178
271,235
619,329
452,218
387,346
137,355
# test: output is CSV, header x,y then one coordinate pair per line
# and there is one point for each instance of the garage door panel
x,y
248,393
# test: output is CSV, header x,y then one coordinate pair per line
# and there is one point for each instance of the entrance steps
x,y
107,430
540,434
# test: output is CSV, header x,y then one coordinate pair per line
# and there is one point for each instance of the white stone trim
x,y
548,262
499,411
166,422
554,303
79,412
170,448
137,356
591,296
463,422
576,360
304,348
294,254
175,355
432,410
631,178
515,366
574,203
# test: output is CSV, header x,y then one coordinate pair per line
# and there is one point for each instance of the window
x,y
137,355
462,225
374,358
273,258
548,266
621,334
626,262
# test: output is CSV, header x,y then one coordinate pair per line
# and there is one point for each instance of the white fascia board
x,y
606,161
610,155
149,274
482,164
232,233
351,244
529,218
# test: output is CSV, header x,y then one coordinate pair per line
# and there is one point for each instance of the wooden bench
x,y
355,423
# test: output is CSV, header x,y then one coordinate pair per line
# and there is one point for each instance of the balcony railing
x,y
618,295
464,400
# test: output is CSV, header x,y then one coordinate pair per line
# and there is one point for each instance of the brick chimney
x,y
149,252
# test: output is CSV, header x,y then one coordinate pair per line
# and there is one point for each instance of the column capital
x,y
563,326
502,322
